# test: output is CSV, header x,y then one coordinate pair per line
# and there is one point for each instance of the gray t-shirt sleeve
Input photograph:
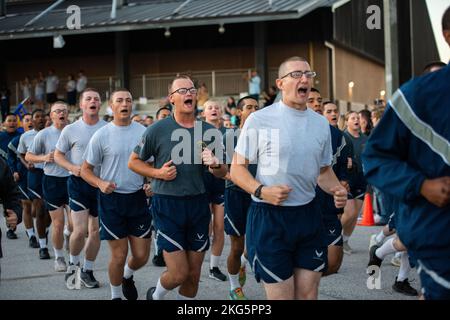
x,y
93,154
327,152
146,147
247,145
38,145
63,143
22,147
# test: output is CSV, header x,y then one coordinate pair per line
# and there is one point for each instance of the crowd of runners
x,y
286,186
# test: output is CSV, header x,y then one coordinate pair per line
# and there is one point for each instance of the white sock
x,y
74,259
404,267
181,297
234,281
59,253
345,238
128,272
43,243
30,232
116,291
160,291
243,261
380,237
214,261
88,265
398,255
386,249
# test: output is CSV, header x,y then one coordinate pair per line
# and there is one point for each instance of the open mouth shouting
x,y
303,92
188,103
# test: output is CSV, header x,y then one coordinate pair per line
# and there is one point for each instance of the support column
x,y
260,36
391,46
122,47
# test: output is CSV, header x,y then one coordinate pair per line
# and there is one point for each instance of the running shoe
x,y
215,273
129,289
237,294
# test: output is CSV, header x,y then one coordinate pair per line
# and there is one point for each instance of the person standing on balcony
x,y
254,84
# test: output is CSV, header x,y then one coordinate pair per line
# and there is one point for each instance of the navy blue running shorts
x,y
82,196
237,204
55,192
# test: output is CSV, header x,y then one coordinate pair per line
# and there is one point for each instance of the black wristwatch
x,y
258,192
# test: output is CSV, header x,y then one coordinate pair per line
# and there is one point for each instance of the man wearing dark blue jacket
x,y
408,156
10,197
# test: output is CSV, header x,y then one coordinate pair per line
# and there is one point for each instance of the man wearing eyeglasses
x,y
291,146
54,181
180,204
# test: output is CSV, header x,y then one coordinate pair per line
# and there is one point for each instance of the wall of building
x,y
368,76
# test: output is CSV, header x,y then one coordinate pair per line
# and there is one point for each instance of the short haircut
x,y
161,109
151,117
181,76
10,114
59,102
433,64
36,111
119,90
240,103
446,20
347,115
328,102
281,69
315,90
88,90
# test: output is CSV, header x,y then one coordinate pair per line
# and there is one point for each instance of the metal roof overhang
x,y
123,25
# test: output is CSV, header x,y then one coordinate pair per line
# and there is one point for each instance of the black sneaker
x,y
373,259
33,243
88,280
10,234
404,287
43,253
215,273
129,289
158,260
150,293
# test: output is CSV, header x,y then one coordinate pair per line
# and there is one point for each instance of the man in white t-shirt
x,y
291,146
81,82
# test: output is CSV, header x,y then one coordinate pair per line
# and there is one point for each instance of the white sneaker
x,y
396,261
347,249
60,265
373,241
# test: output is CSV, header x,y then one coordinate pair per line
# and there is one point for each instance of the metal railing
x,y
229,82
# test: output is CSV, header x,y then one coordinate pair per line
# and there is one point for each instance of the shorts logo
x,y
332,231
141,227
199,237
319,254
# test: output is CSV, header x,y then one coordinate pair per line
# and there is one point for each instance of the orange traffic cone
x,y
367,217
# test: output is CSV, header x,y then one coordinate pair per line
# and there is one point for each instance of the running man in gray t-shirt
x,y
179,204
122,207
291,145
82,196
54,182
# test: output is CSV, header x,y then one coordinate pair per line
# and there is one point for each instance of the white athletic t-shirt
x,y
75,138
44,143
26,139
289,146
111,147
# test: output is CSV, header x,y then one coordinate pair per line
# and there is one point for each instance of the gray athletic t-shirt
x,y
45,142
289,146
25,142
110,148
166,140
75,138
